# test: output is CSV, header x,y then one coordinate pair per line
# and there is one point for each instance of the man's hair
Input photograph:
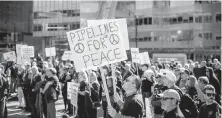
x,y
137,81
208,87
204,79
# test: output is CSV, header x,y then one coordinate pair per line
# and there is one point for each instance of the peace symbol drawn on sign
x,y
114,39
79,48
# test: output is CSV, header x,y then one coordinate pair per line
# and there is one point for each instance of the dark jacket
x,y
3,87
172,114
34,80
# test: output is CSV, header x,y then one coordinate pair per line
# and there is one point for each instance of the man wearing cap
x,y
187,105
170,104
184,74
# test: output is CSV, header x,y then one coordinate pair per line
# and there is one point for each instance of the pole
x,y
135,29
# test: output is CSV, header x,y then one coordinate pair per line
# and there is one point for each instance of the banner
x,y
25,54
97,45
67,55
74,94
123,28
30,51
50,52
9,56
18,53
144,58
135,55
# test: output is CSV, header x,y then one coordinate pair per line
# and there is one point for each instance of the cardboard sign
x,y
97,45
25,54
74,94
69,89
30,50
123,28
148,108
67,55
50,52
18,53
144,58
135,55
9,56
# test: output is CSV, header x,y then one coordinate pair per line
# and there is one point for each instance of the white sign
x,y
18,53
144,58
25,54
50,52
69,89
135,55
123,28
30,50
9,56
67,55
74,94
97,45
148,108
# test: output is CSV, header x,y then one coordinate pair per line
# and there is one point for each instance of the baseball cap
x,y
168,74
170,93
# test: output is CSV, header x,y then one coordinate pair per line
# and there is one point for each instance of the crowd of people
x,y
175,90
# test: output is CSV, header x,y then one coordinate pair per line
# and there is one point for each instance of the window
x,y
140,39
37,27
218,37
208,18
137,21
155,20
218,17
145,21
208,36
180,19
150,21
191,19
198,19
145,38
140,21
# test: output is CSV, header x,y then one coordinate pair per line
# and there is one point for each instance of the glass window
x,y
207,18
145,38
141,21
208,36
150,20
218,17
198,19
37,27
145,21
218,37
137,21
191,19
180,19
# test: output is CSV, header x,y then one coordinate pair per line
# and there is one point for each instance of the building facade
x,y
52,19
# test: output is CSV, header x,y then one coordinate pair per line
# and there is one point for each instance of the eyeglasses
x,y
210,94
164,99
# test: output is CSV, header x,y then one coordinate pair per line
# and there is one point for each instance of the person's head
x,y
209,93
127,67
149,75
196,64
168,78
50,72
169,100
132,84
27,65
145,67
184,73
34,63
82,76
34,69
218,65
202,82
186,66
158,79
45,65
167,66
203,63
191,81
93,77
65,69
209,61
215,61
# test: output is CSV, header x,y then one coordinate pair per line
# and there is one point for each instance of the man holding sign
x,y
133,105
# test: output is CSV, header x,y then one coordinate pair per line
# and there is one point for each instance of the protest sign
x,y
148,108
50,52
18,53
123,28
69,89
105,86
97,45
144,58
67,55
30,51
25,54
9,56
135,55
74,94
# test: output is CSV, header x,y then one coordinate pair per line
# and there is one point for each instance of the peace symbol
x,y
114,39
79,48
